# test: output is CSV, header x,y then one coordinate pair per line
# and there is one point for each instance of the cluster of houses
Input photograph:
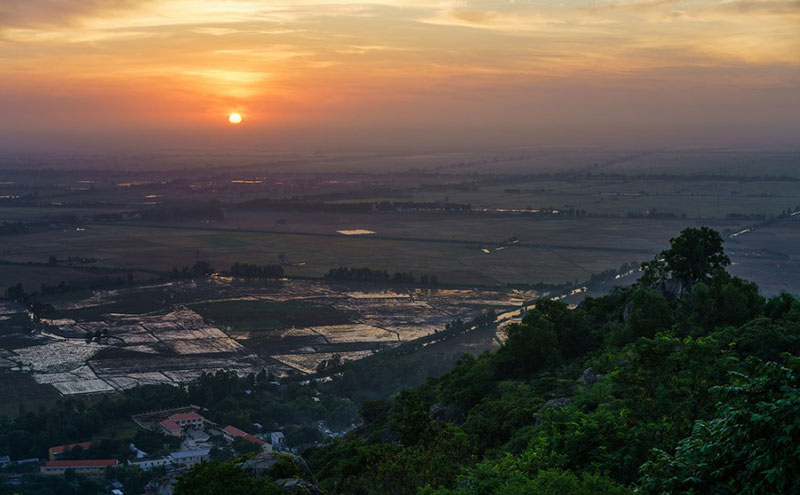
x,y
190,426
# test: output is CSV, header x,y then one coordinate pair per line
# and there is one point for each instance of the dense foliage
x,y
645,389
250,270
686,382
223,477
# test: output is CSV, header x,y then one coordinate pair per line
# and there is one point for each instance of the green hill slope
x,y
686,382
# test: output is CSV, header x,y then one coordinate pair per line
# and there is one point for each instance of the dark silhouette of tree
x,y
695,254
692,257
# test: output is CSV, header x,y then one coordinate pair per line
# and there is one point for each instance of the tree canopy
x,y
632,392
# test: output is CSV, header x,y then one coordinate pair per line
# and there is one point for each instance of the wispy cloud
x,y
29,13
308,59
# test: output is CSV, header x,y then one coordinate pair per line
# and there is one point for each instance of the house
x,y
54,453
188,420
171,428
189,458
176,423
93,468
231,432
278,440
148,464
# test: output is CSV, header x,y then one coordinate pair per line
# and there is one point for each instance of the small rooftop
x,y
189,416
60,449
234,431
170,425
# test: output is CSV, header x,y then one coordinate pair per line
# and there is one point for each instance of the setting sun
x,y
235,118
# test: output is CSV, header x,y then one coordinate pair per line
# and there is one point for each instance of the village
x,y
197,438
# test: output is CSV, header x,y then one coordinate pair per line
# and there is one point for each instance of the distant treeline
x,y
50,222
379,276
458,186
17,292
298,204
652,213
190,210
248,270
201,268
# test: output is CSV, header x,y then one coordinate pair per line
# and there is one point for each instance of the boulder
x,y
671,289
296,486
262,464
589,377
557,403
447,414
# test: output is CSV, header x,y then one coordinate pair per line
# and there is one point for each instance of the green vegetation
x,y
384,373
218,478
249,270
686,382
71,484
633,391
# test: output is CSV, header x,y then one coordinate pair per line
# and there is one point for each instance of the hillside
x,y
686,382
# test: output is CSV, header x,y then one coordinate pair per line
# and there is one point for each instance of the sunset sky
x,y
399,72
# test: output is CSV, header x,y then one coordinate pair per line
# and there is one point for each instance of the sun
x,y
235,118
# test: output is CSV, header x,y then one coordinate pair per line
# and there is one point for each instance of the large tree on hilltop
x,y
692,257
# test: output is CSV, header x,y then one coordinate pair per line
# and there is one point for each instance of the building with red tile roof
x,y
231,432
176,423
171,427
188,420
59,450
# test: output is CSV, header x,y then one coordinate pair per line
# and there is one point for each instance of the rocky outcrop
x,y
589,377
557,403
295,486
447,414
672,289
277,465
552,404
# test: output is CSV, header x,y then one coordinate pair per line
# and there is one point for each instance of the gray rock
x,y
261,464
671,288
447,414
557,403
589,377
297,486
627,311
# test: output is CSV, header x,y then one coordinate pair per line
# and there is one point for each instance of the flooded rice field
x,y
170,333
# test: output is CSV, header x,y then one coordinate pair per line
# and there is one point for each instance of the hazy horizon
x,y
398,74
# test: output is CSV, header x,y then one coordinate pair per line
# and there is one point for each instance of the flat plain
x,y
96,249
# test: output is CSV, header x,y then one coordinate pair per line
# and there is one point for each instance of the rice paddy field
x,y
120,319
88,346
